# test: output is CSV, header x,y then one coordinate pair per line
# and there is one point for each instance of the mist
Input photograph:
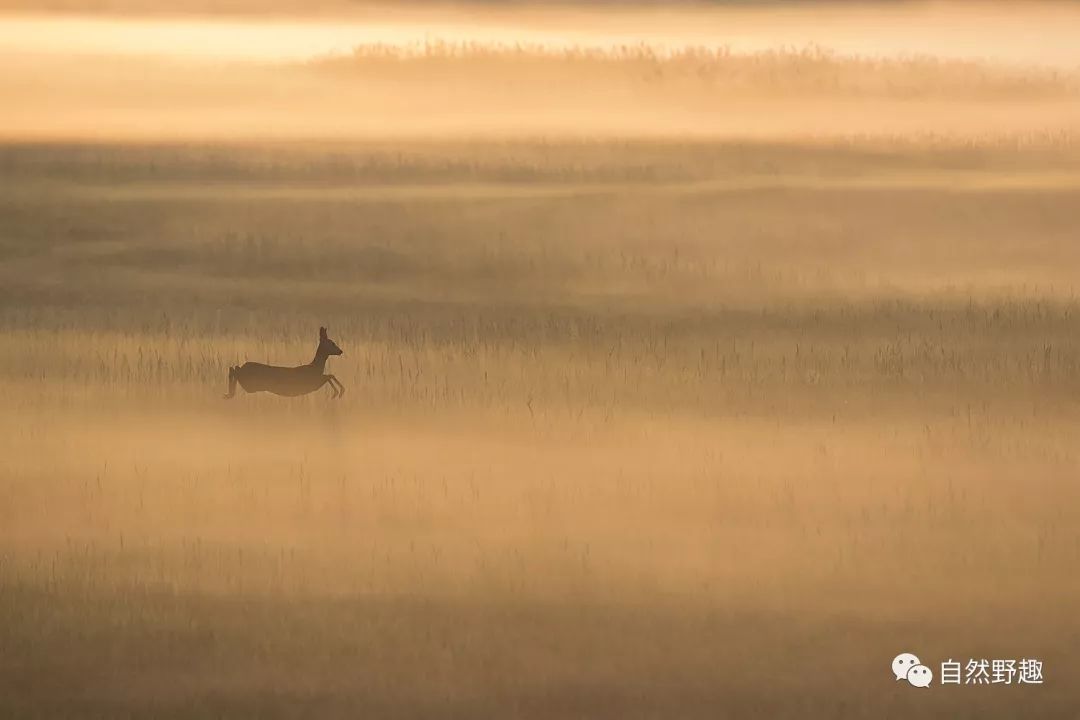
x,y
512,72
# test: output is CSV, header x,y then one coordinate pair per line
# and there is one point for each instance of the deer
x,y
289,381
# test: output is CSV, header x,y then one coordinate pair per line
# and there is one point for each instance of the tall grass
x,y
651,451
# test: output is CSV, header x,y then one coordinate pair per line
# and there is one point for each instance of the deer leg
x,y
232,383
338,387
328,380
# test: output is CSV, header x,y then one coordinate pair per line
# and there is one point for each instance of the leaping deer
x,y
289,381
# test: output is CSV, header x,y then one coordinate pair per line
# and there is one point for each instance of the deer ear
x,y
322,333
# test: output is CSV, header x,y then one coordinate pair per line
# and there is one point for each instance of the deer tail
x,y
232,380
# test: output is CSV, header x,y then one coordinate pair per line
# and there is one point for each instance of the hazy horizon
x,y
504,71
1039,34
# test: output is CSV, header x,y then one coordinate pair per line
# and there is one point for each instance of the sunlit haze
x,y
534,71
1045,36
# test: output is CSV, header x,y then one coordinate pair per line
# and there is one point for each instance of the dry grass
x,y
632,430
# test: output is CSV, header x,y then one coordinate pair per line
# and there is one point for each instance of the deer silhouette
x,y
289,381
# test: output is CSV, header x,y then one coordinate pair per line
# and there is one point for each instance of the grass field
x,y
632,429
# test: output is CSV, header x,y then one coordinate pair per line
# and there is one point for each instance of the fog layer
x,y
924,70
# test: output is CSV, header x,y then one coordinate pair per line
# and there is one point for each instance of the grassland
x,y
633,429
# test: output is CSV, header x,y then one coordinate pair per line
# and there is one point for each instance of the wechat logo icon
x,y
907,666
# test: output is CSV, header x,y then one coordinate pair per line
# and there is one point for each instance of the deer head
x,y
326,345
